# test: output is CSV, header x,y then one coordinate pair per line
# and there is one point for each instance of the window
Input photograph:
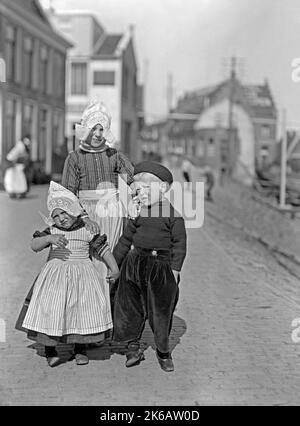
x,y
200,148
65,23
28,61
78,78
194,149
11,51
218,119
104,78
125,83
265,131
10,123
127,137
264,151
134,91
206,102
59,75
27,119
2,71
211,149
57,136
43,135
44,69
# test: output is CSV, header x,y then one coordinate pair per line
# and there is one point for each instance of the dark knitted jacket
x,y
158,227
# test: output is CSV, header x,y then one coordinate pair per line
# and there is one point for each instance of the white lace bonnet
x,y
61,198
94,113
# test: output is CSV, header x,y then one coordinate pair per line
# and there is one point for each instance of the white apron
x,y
104,207
15,180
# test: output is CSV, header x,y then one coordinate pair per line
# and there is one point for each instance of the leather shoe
x,y
81,359
166,364
134,358
53,361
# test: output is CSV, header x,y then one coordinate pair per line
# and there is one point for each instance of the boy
x,y
151,252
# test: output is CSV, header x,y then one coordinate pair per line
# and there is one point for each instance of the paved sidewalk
x,y
231,334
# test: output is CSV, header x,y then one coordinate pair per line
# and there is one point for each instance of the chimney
x,y
131,30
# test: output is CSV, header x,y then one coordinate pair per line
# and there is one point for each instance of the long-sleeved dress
x,y
93,177
70,300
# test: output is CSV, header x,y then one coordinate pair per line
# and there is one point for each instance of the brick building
x,y
229,125
32,97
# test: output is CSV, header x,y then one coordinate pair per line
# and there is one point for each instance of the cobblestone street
x,y
231,336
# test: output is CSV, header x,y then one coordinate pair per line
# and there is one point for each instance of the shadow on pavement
x,y
104,350
110,347
65,352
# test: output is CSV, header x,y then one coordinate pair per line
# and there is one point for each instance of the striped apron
x,y
105,208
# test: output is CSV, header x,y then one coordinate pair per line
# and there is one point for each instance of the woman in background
x,y
17,177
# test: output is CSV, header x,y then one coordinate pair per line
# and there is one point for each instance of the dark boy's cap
x,y
156,169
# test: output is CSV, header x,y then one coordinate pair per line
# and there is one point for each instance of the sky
x,y
194,39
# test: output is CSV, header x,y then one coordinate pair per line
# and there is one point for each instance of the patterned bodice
x,y
77,248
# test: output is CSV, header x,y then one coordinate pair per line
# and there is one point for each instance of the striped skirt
x,y
69,297
108,211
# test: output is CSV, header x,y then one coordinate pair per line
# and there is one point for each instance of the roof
x,y
34,7
256,98
32,11
79,12
109,45
194,102
260,100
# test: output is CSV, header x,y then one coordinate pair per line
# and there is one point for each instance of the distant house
x,y
151,141
32,84
294,153
293,150
101,65
229,125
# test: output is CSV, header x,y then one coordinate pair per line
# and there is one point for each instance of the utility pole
x,y
73,138
170,91
51,7
231,139
145,87
283,161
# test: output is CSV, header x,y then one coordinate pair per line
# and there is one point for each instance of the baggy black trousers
x,y
147,290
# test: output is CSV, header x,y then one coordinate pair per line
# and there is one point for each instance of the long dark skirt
x,y
22,314
147,290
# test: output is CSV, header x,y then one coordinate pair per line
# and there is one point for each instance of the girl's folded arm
x,y
39,243
41,240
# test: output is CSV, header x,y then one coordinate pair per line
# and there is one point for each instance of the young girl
x,y
70,301
91,172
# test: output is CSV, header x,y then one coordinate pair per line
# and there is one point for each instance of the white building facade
x,y
100,65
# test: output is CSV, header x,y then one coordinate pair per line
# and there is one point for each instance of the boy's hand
x,y
58,240
133,188
176,275
112,277
134,207
91,226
